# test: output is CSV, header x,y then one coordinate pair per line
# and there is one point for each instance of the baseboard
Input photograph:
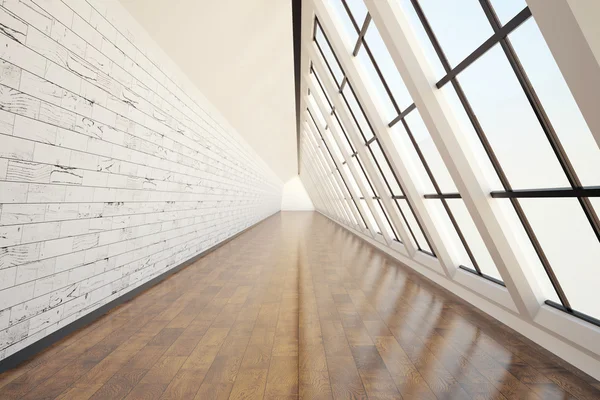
x,y
28,352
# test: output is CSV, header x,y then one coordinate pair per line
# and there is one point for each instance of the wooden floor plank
x,y
296,308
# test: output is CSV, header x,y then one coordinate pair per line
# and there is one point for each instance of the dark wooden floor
x,y
297,307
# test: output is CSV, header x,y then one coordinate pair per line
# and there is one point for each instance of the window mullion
x,y
308,163
364,192
382,131
331,180
387,202
322,175
457,154
358,145
356,197
341,185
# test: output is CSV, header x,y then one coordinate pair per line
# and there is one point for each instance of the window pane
x,y
350,33
406,150
572,249
421,34
351,180
382,162
466,127
333,147
342,135
387,67
444,225
556,98
510,124
374,83
357,113
319,87
358,11
369,215
327,53
474,240
508,9
351,219
383,217
459,29
417,233
432,156
317,112
343,184
362,177
361,222
378,174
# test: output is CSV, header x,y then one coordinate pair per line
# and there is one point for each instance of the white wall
x,y
295,197
252,80
113,168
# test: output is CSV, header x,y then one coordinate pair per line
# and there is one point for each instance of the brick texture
x,y
113,167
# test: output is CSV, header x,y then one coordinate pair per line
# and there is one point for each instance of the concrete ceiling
x,y
239,53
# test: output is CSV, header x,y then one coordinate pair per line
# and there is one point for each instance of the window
x,y
360,123
509,95
412,138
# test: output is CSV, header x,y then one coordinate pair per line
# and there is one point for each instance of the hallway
x,y
296,307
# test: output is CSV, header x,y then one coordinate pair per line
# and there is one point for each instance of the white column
x,y
572,32
367,198
418,76
320,178
329,175
321,205
383,133
356,196
408,248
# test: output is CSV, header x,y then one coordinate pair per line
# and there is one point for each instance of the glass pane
x,y
474,240
459,29
333,147
362,177
357,112
343,215
432,156
407,152
510,124
324,161
466,126
508,9
358,11
342,135
317,112
385,220
448,232
351,180
382,162
369,215
373,82
415,230
343,184
387,67
327,53
320,89
349,32
571,247
556,98
378,176
350,214
360,221
423,39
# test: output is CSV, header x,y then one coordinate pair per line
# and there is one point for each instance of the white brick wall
x,y
113,168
